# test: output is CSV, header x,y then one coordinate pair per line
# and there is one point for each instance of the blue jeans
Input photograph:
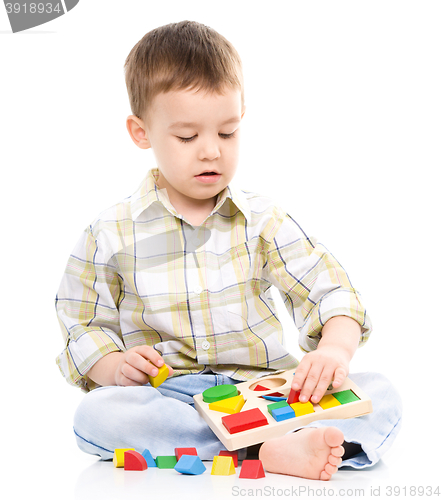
x,y
164,419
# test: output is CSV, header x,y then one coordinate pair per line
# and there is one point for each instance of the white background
x,y
343,128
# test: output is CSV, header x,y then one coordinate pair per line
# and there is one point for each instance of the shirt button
x,y
198,290
205,345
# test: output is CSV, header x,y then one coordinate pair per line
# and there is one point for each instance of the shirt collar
x,y
149,192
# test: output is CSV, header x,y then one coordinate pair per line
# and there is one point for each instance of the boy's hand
x,y
317,369
136,364
331,360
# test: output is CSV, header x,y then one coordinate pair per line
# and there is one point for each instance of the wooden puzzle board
x,y
277,383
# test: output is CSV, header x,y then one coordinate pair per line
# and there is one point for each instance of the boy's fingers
x,y
150,354
300,374
131,376
339,377
323,383
310,383
141,364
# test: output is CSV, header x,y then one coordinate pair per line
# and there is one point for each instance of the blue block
x,y
274,398
149,459
190,464
283,413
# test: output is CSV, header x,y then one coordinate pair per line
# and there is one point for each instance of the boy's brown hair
x,y
179,56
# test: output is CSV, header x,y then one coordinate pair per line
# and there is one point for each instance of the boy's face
x,y
192,132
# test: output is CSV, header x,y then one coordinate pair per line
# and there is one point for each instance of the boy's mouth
x,y
208,173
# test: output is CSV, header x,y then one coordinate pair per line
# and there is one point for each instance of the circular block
x,y
219,392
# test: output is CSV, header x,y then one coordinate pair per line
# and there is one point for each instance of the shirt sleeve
x,y
312,283
86,305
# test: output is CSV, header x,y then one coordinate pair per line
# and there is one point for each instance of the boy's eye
x,y
189,139
186,139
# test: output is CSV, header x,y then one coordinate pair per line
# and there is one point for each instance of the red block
x,y
293,397
260,388
233,454
244,420
134,461
252,469
179,452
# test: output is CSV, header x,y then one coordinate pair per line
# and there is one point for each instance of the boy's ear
x,y
243,111
137,132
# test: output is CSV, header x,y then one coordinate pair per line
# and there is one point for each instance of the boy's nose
x,y
210,151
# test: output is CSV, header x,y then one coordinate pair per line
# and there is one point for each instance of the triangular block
x,y
149,458
118,459
260,388
134,461
230,405
252,469
190,464
223,466
233,454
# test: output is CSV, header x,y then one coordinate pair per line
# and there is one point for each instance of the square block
x,y
302,408
274,406
345,397
328,401
283,413
179,452
163,373
166,462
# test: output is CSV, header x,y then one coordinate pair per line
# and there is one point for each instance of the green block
x,y
346,396
166,462
219,392
274,406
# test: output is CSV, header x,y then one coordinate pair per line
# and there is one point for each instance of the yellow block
x,y
223,466
118,459
163,373
328,401
302,408
230,405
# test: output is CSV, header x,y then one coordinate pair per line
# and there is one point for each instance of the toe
x,y
330,469
334,460
324,476
338,451
333,436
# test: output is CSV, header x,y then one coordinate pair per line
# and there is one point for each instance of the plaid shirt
x,y
201,296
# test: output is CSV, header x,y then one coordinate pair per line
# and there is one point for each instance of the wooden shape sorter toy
x,y
254,423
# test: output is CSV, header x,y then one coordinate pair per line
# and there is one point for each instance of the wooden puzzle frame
x,y
280,382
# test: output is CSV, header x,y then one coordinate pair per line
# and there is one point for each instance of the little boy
x,y
180,273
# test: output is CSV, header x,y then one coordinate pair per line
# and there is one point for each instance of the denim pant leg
x,y
142,417
374,432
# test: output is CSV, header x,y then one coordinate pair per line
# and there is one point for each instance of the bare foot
x,y
311,453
